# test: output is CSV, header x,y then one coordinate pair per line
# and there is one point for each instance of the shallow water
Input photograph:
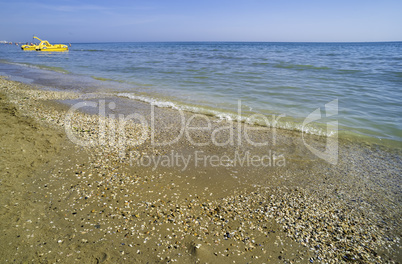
x,y
226,79
365,178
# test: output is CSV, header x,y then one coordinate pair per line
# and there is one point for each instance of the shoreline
x,y
56,80
98,202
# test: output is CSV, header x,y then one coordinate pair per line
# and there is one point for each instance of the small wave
x,y
40,66
176,106
260,63
301,67
92,50
286,124
342,71
153,62
395,74
101,78
105,51
329,54
51,68
134,69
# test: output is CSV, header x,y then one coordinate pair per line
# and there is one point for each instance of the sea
x,y
247,81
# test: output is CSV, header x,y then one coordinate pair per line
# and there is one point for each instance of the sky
x,y
77,21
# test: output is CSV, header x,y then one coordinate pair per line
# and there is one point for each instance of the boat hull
x,y
53,48
29,47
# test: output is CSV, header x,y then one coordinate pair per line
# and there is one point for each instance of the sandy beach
x,y
122,198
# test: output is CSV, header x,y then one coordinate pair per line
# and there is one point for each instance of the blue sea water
x,y
219,78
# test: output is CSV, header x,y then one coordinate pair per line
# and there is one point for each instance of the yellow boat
x,y
29,47
44,45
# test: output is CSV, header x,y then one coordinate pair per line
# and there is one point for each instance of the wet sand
x,y
112,202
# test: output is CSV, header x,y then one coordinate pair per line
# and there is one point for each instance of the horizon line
x,y
211,41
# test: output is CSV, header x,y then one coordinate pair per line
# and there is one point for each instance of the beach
x,y
83,181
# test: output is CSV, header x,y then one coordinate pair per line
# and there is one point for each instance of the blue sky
x,y
201,20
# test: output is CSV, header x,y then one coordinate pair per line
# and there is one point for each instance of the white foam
x,y
287,125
